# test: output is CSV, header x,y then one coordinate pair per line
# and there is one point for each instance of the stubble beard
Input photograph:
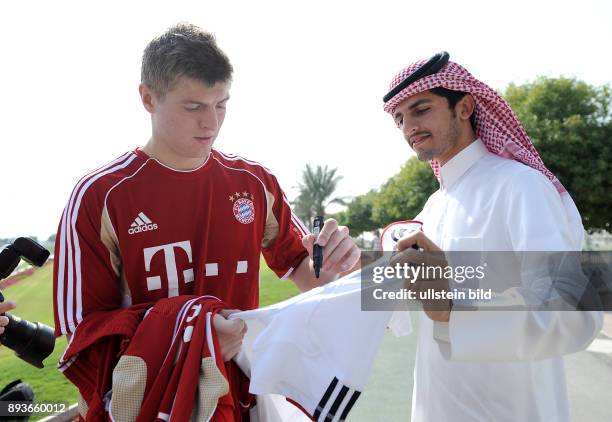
x,y
449,139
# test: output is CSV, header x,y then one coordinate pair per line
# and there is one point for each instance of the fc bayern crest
x,y
243,208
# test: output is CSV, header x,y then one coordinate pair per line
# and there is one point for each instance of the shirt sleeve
x,y
536,221
86,265
282,242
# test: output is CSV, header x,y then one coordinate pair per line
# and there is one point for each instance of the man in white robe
x,y
495,195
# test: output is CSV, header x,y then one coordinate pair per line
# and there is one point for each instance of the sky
x,y
308,81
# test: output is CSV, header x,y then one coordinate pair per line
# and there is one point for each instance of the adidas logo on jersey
x,y
142,223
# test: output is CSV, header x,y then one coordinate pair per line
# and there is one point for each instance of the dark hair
x,y
183,50
453,98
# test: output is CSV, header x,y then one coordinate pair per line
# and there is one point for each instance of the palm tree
x,y
316,188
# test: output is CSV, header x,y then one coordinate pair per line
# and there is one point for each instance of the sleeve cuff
x,y
287,274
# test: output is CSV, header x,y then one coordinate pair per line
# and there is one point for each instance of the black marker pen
x,y
317,250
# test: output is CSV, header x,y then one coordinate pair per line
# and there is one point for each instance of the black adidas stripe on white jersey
x,y
338,397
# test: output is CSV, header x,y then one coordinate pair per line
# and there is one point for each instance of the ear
x,y
465,107
146,95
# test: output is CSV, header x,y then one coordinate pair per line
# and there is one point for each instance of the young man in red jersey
x,y
179,217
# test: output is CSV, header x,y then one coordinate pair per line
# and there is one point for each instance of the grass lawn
x,y
34,302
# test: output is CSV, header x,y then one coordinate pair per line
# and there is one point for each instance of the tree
x,y
358,214
570,123
402,197
316,188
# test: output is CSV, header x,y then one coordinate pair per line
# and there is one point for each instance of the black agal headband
x,y
432,66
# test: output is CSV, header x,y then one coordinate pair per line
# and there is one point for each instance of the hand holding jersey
x,y
229,333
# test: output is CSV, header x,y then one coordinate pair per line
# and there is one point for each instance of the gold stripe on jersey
x,y
129,383
272,226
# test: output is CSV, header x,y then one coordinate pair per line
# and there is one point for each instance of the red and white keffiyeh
x,y
496,124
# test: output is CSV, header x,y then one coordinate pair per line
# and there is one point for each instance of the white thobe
x,y
496,365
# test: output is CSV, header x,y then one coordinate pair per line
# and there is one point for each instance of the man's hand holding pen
x,y
417,249
339,252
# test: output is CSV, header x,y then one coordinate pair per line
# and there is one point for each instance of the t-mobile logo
x,y
154,282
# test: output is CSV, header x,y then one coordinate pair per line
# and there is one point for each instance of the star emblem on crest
x,y
238,195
